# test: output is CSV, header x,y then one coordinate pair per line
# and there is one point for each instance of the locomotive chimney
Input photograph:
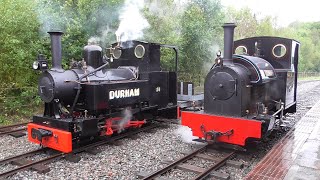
x,y
56,50
228,42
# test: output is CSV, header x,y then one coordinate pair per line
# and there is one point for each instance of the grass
x,y
18,104
311,78
20,116
9,120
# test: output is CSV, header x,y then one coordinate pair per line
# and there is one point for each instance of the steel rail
x,y
29,165
12,126
12,131
215,166
22,155
115,138
175,163
61,154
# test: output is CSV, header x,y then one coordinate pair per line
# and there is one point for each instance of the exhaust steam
x,y
126,117
186,135
132,22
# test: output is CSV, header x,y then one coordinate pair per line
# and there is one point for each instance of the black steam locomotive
x,y
247,94
101,94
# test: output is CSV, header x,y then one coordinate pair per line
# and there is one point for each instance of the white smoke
x,y
102,39
165,9
186,134
132,22
94,40
213,50
105,31
106,35
126,117
50,17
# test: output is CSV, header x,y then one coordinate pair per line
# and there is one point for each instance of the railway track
x,y
58,155
201,172
16,128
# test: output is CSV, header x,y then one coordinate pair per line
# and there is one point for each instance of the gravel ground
x,y
144,154
202,163
10,146
178,174
125,161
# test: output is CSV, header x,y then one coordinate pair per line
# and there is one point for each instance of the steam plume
x,y
126,117
186,134
132,22
94,40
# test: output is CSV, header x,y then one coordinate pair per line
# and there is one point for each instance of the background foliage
x,y
194,26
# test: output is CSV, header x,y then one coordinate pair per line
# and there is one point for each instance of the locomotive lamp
x,y
35,65
113,53
40,64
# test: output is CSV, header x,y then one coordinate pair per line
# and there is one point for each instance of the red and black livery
x,y
101,95
247,92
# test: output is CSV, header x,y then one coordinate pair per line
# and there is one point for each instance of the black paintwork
x,y
56,50
247,85
85,89
264,50
148,63
228,42
286,67
226,92
235,89
93,55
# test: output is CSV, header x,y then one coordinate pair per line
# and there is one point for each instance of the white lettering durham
x,y
111,94
137,92
124,93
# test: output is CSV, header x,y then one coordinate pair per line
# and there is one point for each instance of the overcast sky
x,y
286,11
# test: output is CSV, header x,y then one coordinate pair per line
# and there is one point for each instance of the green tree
x,y
18,43
266,26
79,20
201,36
164,28
308,35
245,20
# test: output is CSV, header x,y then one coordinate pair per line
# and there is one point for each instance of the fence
x,y
198,79
308,74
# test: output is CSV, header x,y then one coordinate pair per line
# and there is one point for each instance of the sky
x,y
286,11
